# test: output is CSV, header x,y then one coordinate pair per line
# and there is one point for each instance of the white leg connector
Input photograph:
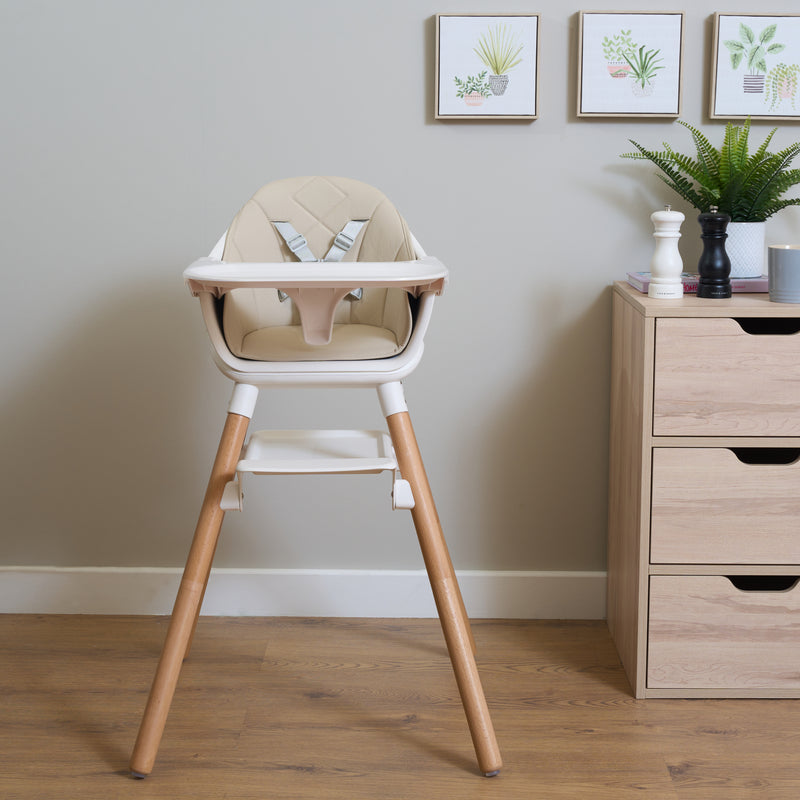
x,y
402,496
232,495
243,400
392,398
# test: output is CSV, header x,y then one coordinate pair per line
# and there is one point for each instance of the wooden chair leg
x,y
199,608
447,595
189,599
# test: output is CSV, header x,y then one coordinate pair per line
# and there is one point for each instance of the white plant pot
x,y
746,248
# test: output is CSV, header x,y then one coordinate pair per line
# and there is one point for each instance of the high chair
x,y
317,282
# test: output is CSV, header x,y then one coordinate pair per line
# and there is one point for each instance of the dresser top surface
x,y
739,305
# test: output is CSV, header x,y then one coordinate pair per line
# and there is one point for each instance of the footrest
x,y
317,452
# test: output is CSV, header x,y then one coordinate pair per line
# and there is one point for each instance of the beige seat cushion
x,y
258,326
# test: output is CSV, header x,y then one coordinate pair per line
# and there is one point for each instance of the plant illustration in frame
x,y
781,85
474,89
755,66
640,52
616,49
498,49
644,68
752,51
486,66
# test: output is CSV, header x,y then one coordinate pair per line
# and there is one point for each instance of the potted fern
x,y
750,187
499,51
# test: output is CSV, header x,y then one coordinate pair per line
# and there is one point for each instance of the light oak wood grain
x,y
688,381
186,610
444,584
319,708
714,379
629,485
689,306
446,592
705,632
709,507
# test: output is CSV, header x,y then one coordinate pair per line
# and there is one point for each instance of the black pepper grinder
x,y
714,265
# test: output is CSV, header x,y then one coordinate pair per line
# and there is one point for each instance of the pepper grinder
x,y
714,265
666,265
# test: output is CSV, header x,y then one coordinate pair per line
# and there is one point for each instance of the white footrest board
x,y
317,452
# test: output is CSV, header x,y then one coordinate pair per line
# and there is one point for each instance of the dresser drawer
x,y
723,506
714,378
705,633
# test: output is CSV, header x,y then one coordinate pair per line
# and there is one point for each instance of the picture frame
x,y
755,67
469,48
630,63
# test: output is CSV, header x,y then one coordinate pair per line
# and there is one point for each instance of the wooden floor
x,y
341,708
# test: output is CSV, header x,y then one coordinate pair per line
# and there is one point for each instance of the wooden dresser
x,y
704,496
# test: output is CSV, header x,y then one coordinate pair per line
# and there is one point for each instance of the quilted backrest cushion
x,y
258,326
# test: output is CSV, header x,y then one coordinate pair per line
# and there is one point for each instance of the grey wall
x,y
132,131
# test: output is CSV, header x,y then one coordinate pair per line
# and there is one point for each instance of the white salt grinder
x,y
666,266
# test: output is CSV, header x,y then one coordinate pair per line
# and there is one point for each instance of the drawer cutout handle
x,y
766,455
763,583
769,326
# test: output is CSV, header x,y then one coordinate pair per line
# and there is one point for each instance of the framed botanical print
x,y
487,66
630,64
755,67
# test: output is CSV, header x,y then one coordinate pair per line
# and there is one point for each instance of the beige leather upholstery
x,y
258,326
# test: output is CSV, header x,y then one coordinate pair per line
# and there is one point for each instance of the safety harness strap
x,y
343,241
295,241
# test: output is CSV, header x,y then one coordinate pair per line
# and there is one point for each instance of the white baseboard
x,y
331,593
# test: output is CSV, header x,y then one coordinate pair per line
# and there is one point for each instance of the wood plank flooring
x,y
343,708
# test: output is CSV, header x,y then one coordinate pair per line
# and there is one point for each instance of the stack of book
x,y
641,281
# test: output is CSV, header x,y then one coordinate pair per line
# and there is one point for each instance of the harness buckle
x,y
296,243
343,241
